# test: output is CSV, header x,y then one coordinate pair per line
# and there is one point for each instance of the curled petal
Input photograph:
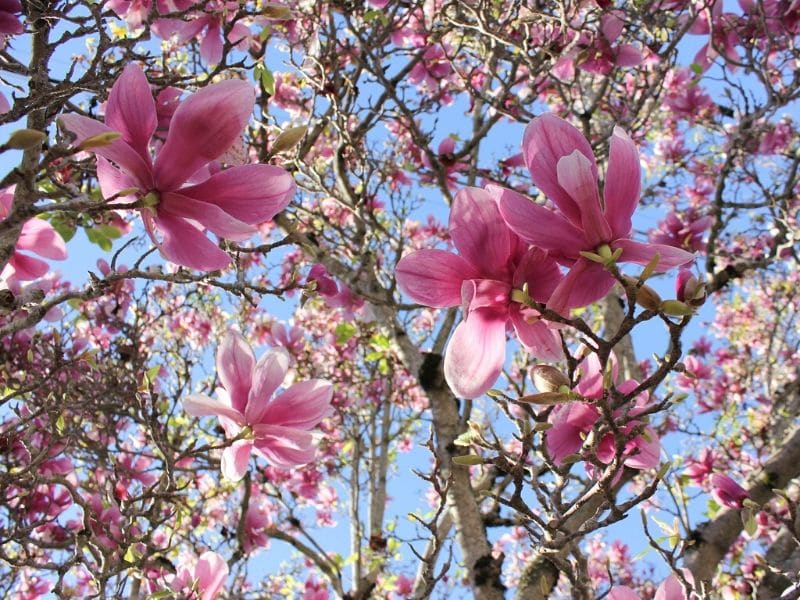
x,y
268,375
131,110
539,339
478,231
38,236
576,177
210,216
623,183
641,253
474,357
585,283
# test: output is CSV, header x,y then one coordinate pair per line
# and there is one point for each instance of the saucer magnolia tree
x,y
387,299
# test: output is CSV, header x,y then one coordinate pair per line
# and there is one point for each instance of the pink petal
x,y
284,446
585,283
645,453
203,127
576,177
476,352
541,341
211,44
38,236
628,55
433,277
185,244
112,181
547,139
485,293
590,384
211,572
623,183
235,363
642,252
478,231
27,268
251,193
611,25
622,592
235,458
119,151
5,106
671,588
569,421
268,375
302,406
199,405
540,272
131,110
210,216
541,226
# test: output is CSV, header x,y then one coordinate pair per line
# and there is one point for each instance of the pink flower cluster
x,y
506,242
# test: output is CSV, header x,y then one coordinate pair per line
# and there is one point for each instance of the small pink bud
x,y
727,492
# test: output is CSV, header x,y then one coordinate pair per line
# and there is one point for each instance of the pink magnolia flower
x,y
727,492
572,422
563,166
277,428
208,577
9,19
182,193
38,237
491,262
135,12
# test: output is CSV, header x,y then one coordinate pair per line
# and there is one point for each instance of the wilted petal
x,y
623,183
38,236
210,216
251,193
119,151
235,458
203,127
642,252
433,277
475,354
235,363
185,244
547,139
577,177
541,341
211,572
586,282
541,226
268,375
200,405
302,406
478,232
131,109
284,446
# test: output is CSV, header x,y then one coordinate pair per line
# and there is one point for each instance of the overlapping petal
x,y
210,216
131,110
235,458
474,357
641,253
586,282
267,377
623,183
185,244
433,277
578,177
303,405
235,363
479,233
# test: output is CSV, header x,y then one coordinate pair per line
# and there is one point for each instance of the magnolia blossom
x,y
727,492
491,262
572,422
208,577
38,237
182,188
277,428
563,166
9,19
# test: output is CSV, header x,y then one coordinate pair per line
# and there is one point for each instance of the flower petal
x,y
27,268
251,193
479,233
210,216
623,183
268,375
540,272
200,405
302,406
119,151
185,244
569,422
642,252
547,139
576,177
211,572
623,592
235,458
285,446
585,283
541,226
539,339
113,181
476,352
131,110
433,277
203,127
39,236
235,363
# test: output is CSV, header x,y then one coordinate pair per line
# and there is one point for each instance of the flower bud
x,y
545,398
646,297
289,139
548,379
99,140
676,308
22,139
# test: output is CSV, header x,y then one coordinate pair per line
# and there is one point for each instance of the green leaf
x,y
344,332
65,228
374,355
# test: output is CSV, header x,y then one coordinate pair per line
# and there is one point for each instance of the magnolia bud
x,y
548,379
676,308
22,139
646,297
289,139
99,140
545,398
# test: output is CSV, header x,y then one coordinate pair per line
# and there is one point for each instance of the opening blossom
x,y
278,427
491,262
183,190
563,167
